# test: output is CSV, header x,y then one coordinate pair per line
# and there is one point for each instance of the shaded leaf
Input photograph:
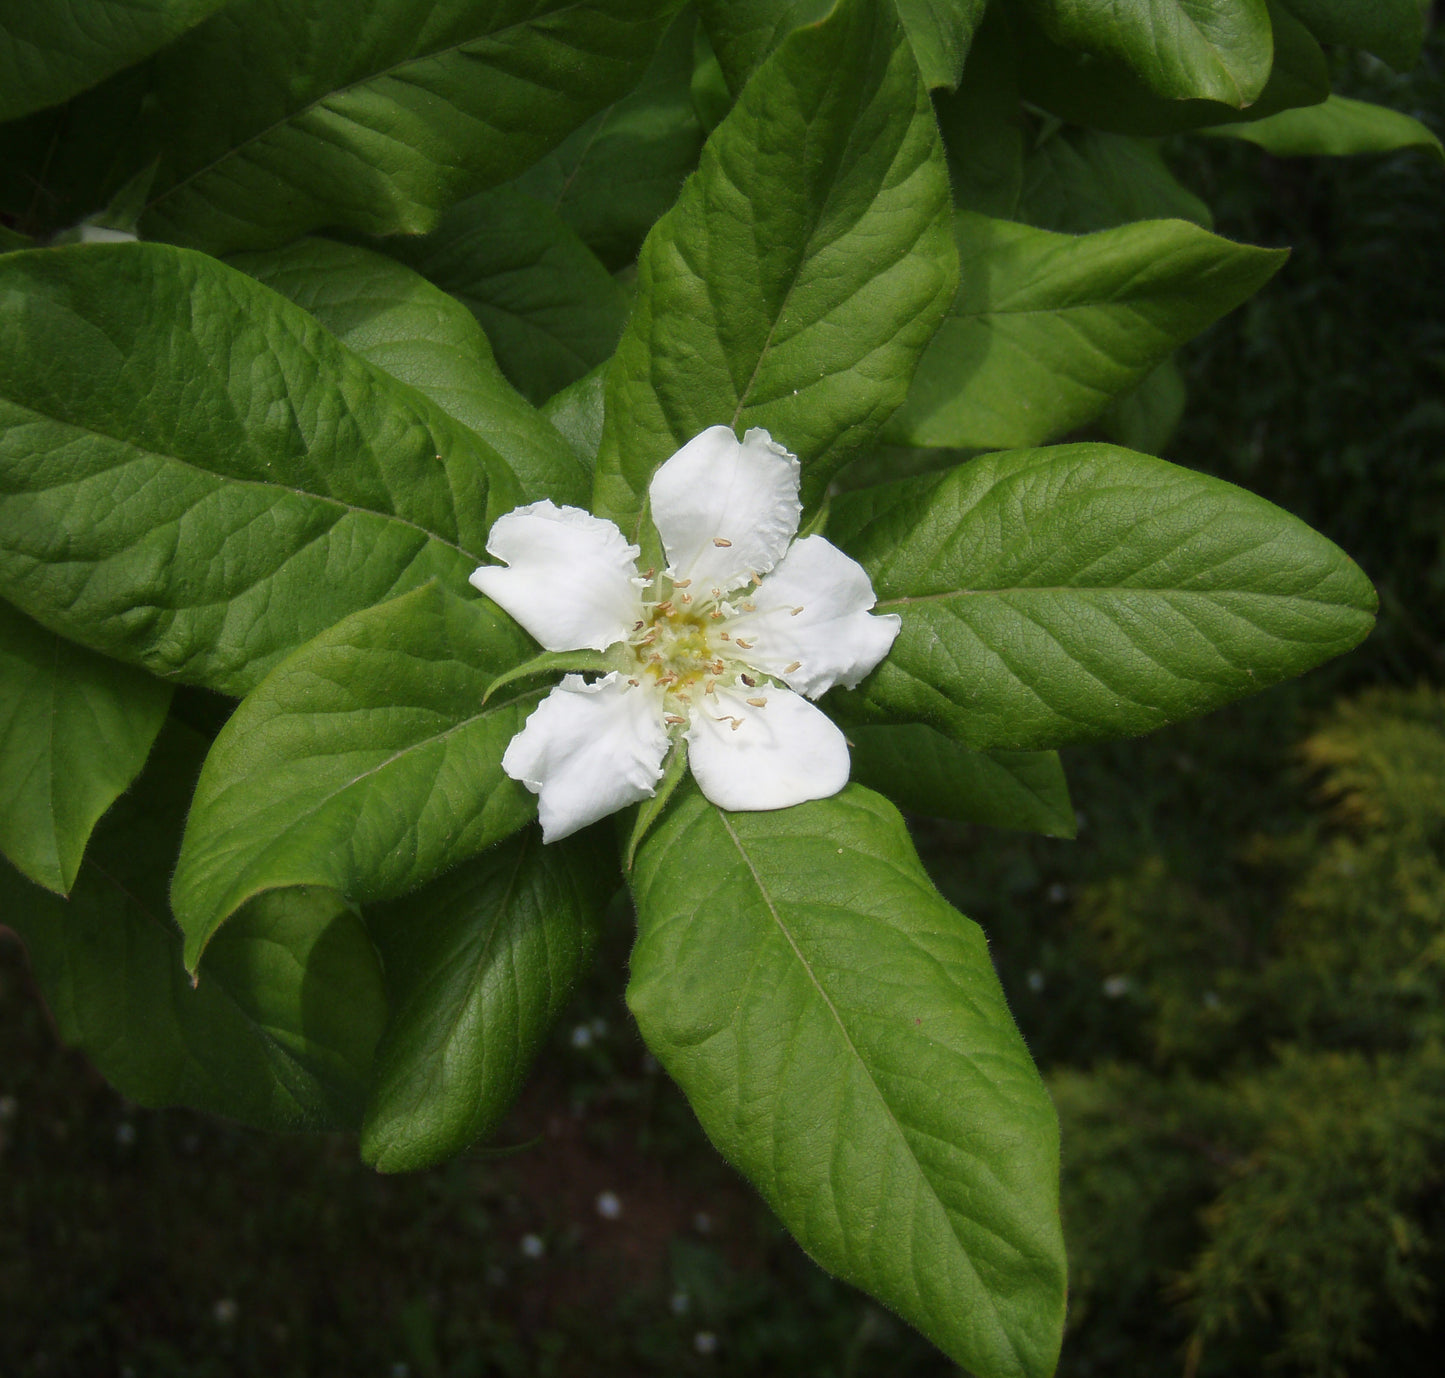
x,y
1046,329
365,762
280,1029
1336,128
921,771
1084,592
375,114
983,127
479,965
840,1032
1146,418
397,320
1391,29
801,272
75,729
200,502
548,306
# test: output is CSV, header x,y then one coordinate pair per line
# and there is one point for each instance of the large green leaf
x,y
201,500
982,125
1079,180
397,320
1219,50
611,179
479,965
366,762
1391,29
550,309
1336,128
744,32
1086,592
280,1028
802,271
75,729
1047,329
1095,89
922,771
277,119
842,1036
51,50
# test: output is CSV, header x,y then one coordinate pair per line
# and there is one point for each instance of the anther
x,y
716,615
666,608
685,598
758,703
682,583
634,682
749,681
720,542
650,575
750,607
795,612
672,720
756,578
796,665
741,644
710,687
725,636
638,626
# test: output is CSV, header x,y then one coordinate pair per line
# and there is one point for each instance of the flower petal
x,y
780,754
568,578
715,489
588,750
812,611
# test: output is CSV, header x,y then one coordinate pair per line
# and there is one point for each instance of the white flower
x,y
709,648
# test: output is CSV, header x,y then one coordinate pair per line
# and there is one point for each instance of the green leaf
x,y
201,501
549,307
279,1031
1219,50
397,320
1078,180
577,413
940,32
923,772
75,729
364,762
842,1037
1084,592
1146,418
1046,328
479,965
1391,29
375,114
11,241
983,128
1337,128
648,811
1103,92
802,271
51,51
611,179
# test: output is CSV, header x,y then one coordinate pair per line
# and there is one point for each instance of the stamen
x,y
666,608
736,722
758,703
672,720
749,681
635,683
795,612
710,687
725,636
750,607
756,578
718,541
741,644
796,665
650,575
716,615
716,667
685,598
682,583
638,625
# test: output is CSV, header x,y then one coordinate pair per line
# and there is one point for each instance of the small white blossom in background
x,y
1036,980
608,1205
705,1342
680,1303
702,1222
125,1133
1115,986
8,1106
225,1311
723,648
531,1246
581,1036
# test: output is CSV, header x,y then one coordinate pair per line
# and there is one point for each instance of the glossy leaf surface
x,y
801,272
1083,592
365,762
201,501
842,1037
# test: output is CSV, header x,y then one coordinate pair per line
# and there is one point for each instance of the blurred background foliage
x,y
1235,981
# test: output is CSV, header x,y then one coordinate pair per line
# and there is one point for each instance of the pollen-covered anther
x,y
741,644
710,687
796,665
682,583
758,703
749,681
795,612
672,720
685,598
721,542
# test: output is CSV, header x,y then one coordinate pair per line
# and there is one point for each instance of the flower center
x,y
684,646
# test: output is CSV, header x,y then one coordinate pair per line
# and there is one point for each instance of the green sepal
x,y
650,810
568,662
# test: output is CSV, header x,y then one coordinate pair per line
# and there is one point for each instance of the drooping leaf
x,y
1336,128
1219,50
842,1037
1047,329
75,729
397,320
51,51
1076,181
611,179
940,32
550,309
199,501
375,114
279,1030
479,965
983,127
1085,592
1391,29
366,762
1104,92
800,274
921,771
